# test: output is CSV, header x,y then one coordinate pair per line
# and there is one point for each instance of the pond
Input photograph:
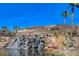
x,y
23,52
20,52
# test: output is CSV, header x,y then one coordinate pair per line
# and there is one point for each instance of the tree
x,y
73,5
16,28
4,29
65,14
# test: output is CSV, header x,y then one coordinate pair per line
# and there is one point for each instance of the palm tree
x,y
73,7
16,28
65,14
4,29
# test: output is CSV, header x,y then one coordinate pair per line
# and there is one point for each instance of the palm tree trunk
x,y
64,25
64,21
72,25
72,16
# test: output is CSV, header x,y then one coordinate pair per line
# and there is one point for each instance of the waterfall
x,y
14,43
18,43
33,42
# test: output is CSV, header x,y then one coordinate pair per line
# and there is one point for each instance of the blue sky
x,y
34,14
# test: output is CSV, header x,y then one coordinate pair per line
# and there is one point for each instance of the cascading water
x,y
18,43
34,44
14,43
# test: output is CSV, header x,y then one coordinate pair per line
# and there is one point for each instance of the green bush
x,y
59,54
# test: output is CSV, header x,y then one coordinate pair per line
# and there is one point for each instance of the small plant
x,y
59,54
64,44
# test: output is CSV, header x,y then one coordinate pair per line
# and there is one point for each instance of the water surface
x,y
20,52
